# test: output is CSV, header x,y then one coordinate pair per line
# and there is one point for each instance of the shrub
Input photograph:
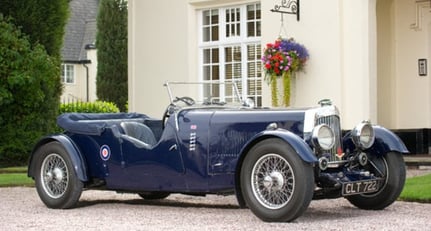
x,y
89,107
30,91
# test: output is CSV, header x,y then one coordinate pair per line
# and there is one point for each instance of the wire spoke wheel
x,y
273,181
54,175
276,184
56,181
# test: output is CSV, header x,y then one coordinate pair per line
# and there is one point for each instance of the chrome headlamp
x,y
323,137
363,135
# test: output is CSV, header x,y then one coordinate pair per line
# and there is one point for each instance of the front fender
x,y
301,148
386,141
74,153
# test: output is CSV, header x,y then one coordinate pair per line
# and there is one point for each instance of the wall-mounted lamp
x,y
288,7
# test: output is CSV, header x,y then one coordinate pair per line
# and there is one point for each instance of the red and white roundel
x,y
105,152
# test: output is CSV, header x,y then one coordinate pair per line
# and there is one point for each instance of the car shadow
x,y
162,202
344,212
315,212
310,215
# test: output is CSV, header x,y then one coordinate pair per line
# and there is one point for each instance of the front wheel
x,y
391,168
56,182
276,183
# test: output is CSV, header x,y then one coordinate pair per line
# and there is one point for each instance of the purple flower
x,y
291,45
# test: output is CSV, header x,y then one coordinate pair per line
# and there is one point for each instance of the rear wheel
x,y
276,183
391,168
56,182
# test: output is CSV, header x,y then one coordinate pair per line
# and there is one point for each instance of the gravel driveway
x,y
21,209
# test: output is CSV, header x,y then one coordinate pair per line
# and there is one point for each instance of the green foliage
x,y
42,20
89,107
111,43
30,90
417,189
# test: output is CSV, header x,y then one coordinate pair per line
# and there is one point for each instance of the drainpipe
x,y
84,63
88,76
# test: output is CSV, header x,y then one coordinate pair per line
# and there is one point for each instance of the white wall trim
x,y
419,5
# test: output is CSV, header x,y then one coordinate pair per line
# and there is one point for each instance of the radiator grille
x,y
333,122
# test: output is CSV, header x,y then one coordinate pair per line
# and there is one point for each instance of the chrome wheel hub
x,y
274,181
58,175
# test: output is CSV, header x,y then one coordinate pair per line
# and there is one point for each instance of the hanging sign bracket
x,y
288,7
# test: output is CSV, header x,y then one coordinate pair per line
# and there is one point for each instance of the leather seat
x,y
140,132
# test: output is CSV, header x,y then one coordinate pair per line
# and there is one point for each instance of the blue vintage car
x,y
274,160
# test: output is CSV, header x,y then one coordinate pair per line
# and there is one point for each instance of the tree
x,y
111,43
42,20
30,89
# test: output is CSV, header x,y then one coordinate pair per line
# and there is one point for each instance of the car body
x,y
275,160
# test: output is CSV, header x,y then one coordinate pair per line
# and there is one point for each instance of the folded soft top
x,y
94,123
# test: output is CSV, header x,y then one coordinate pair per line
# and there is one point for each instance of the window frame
x,y
64,73
224,41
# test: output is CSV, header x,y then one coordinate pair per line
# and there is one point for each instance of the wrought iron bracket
x,y
288,7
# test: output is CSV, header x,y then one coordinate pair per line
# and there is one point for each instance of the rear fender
x,y
74,153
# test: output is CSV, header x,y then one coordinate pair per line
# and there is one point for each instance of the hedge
x,y
89,107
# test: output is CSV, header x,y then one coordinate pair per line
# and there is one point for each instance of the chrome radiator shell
x,y
329,115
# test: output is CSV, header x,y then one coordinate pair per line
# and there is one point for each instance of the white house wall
x,y
386,94
158,52
369,75
412,43
403,38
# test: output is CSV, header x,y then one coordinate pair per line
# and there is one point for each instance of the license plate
x,y
358,187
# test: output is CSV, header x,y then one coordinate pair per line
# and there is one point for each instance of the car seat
x,y
140,132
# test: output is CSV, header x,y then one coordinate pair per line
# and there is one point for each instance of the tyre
x,y
391,168
56,182
277,185
154,195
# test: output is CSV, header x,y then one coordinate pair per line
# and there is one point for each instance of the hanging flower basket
x,y
282,59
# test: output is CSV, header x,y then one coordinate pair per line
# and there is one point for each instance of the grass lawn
x,y
15,176
417,189
15,179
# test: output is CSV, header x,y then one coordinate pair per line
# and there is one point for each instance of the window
x,y
67,73
230,51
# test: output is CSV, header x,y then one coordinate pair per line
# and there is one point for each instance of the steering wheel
x,y
172,107
185,99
